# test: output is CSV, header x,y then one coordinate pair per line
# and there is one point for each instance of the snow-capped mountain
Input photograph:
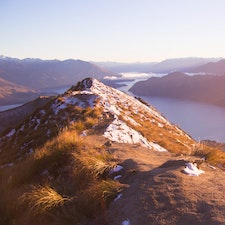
x,y
121,118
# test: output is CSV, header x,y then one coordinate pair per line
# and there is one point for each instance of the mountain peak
x,y
116,115
65,157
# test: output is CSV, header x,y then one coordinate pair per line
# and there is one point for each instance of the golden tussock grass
x,y
66,180
42,199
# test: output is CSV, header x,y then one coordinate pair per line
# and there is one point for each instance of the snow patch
x,y
115,169
158,148
119,132
192,170
117,177
118,197
11,133
126,222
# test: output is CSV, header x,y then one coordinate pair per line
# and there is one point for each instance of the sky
x,y
112,30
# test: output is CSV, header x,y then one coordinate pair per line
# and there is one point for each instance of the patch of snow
x,y
42,112
7,165
22,128
115,169
212,167
57,107
126,222
48,133
38,123
160,125
157,147
119,132
117,177
118,197
192,170
11,133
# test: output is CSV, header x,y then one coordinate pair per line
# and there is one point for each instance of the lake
x,y
199,120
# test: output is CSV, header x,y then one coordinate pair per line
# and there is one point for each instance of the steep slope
x,y
11,117
125,119
207,89
60,165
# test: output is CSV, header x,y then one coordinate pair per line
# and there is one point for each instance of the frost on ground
x,y
192,170
126,222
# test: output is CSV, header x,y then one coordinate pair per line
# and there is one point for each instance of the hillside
x,y
11,117
95,155
45,74
14,93
216,68
207,89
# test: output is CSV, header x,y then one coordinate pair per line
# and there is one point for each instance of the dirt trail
x,y
159,193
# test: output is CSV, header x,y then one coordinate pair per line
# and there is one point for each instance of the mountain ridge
x,y
201,88
166,66
95,155
37,75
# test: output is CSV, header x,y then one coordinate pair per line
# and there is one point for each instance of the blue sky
x,y
112,30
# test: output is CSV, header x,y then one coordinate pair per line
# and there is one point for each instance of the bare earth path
x,y
159,193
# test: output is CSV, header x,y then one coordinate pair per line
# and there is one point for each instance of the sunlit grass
x,y
42,199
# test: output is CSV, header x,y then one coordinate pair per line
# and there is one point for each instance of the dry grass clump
x,y
96,163
212,155
42,199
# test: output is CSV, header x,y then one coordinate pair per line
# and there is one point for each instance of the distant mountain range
x,y
25,80
202,88
217,68
21,79
166,66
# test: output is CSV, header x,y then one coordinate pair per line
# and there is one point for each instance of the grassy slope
x,y
64,180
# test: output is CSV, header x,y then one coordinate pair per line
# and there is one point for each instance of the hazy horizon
x,y
115,31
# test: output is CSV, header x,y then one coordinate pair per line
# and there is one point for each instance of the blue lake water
x,y
6,107
201,121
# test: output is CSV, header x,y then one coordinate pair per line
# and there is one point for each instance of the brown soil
x,y
159,193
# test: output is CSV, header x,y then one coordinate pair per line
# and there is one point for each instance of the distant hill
x,y
11,117
180,64
14,93
44,74
207,89
24,80
217,68
166,66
